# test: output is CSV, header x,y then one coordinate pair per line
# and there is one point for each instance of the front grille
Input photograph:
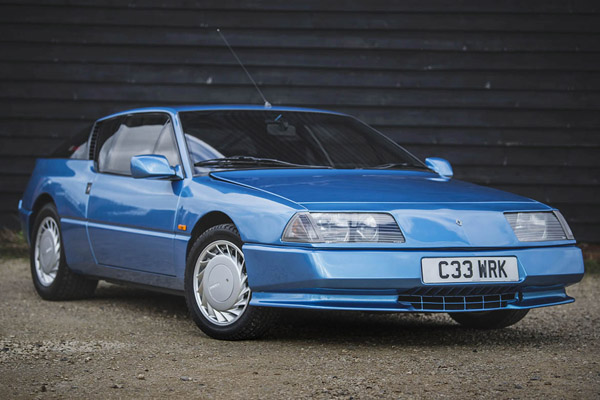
x,y
465,290
458,303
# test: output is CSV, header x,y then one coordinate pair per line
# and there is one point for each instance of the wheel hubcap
x,y
47,251
221,284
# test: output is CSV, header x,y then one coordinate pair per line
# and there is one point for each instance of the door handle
x,y
88,188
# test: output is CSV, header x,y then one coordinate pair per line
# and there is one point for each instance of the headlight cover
x,y
539,226
342,227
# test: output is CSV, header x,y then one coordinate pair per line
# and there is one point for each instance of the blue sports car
x,y
244,209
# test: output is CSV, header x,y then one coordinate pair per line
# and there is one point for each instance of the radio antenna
x,y
267,104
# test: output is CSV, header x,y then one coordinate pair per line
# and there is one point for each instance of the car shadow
x,y
322,326
134,298
403,329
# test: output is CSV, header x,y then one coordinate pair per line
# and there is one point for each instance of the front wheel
x,y
489,319
216,287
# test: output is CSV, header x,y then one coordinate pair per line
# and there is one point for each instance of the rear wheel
x,y
489,319
52,277
216,287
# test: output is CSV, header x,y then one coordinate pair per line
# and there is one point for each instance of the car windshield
x,y
287,139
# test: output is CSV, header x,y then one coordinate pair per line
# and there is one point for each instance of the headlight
x,y
539,226
342,228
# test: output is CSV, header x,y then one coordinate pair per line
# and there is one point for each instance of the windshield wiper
x,y
400,165
249,160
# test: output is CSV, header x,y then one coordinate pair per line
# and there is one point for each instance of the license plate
x,y
469,269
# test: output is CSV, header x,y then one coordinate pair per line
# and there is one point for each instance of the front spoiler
x,y
362,302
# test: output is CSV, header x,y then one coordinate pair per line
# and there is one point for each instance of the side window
x,y
125,137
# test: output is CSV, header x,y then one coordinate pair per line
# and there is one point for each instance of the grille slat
x,y
465,290
459,303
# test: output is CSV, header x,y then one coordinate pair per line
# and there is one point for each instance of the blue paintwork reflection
x,y
153,167
366,186
131,222
441,166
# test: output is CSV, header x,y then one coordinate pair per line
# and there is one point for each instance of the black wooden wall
x,y
508,91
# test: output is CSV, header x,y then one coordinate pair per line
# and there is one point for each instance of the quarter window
x,y
125,137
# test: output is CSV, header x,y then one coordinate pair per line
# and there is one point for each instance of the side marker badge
x,y
458,222
182,227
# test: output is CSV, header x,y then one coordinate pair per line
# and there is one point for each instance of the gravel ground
x,y
127,343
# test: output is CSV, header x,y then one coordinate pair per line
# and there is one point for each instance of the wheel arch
x,y
206,222
41,201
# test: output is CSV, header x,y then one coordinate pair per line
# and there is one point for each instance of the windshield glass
x,y
287,139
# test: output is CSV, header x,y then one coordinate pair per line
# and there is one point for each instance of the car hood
x,y
309,187
431,211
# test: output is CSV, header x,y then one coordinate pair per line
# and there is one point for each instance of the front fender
x,y
259,216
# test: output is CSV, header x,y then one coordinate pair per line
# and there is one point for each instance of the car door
x,y
131,221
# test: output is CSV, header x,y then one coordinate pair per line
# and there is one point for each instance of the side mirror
x,y
440,166
153,166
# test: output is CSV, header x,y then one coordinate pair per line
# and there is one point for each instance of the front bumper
x,y
390,280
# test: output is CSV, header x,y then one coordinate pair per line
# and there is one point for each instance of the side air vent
x,y
94,140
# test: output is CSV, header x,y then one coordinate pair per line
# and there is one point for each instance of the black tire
x,y
489,319
65,284
252,322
